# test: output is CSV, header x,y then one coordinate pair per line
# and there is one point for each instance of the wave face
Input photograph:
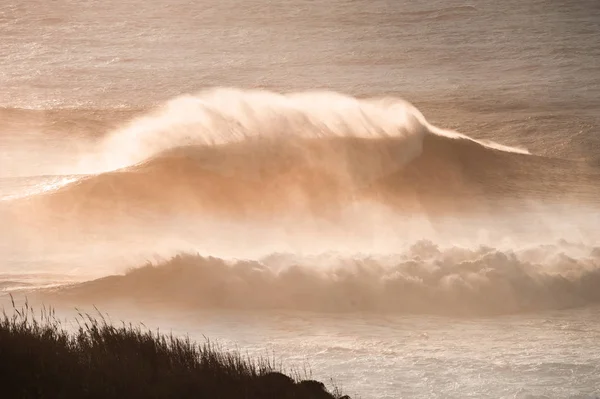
x,y
424,279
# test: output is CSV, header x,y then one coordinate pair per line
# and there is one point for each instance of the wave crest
x,y
226,115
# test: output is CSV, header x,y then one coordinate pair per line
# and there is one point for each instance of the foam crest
x,y
424,279
226,115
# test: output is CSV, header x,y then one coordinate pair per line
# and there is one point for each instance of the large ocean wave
x,y
255,152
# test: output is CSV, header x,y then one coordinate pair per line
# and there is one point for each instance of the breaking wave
x,y
424,279
230,151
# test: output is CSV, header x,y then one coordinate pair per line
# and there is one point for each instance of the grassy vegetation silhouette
x,y
39,358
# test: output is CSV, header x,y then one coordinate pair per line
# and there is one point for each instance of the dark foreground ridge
x,y
40,359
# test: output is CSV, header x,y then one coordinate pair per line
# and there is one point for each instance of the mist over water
x,y
404,196
312,172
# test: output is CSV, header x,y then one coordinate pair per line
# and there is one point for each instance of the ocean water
x,y
400,196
